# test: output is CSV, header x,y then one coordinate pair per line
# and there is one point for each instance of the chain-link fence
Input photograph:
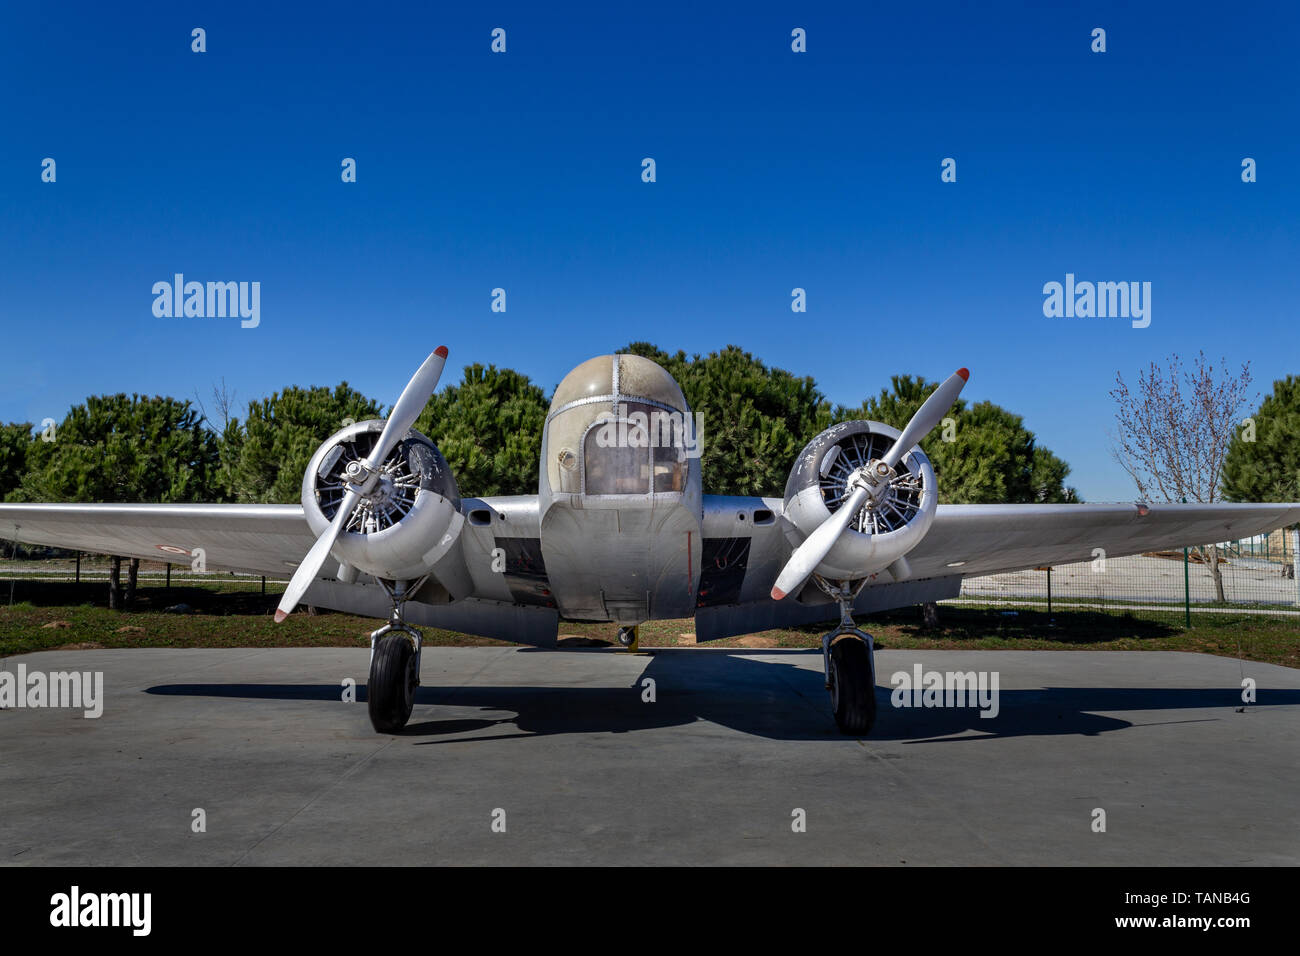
x,y
1255,576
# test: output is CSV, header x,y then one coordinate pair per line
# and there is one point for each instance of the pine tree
x,y
489,428
1268,468
264,457
120,448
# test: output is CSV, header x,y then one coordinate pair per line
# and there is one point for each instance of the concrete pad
x,y
712,771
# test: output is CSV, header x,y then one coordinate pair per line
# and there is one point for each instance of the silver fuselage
x,y
619,494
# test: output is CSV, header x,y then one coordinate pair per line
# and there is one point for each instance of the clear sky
x,y
522,170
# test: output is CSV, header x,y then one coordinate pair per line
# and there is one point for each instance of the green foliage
x,y
264,457
1268,469
115,448
755,419
489,425
489,428
15,438
992,457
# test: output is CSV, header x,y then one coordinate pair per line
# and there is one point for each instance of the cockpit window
x,y
670,469
613,467
636,451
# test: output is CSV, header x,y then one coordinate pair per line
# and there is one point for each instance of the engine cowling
x,y
886,527
407,525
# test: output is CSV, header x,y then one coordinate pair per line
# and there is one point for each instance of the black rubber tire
x,y
626,636
853,687
390,691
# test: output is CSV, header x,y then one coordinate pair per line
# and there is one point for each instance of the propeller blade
x,y
927,416
316,558
816,546
400,420
412,401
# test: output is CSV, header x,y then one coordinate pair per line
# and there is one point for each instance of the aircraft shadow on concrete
x,y
772,699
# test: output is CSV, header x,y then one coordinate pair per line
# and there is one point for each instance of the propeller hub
x,y
363,479
875,476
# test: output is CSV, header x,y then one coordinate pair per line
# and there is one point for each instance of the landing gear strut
x,y
849,658
394,664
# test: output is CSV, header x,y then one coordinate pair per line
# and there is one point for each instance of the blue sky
x,y
522,170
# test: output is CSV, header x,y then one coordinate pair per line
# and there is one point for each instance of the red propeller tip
x,y
964,373
777,594
441,350
279,616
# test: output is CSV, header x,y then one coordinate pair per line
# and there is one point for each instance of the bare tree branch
x,y
1174,433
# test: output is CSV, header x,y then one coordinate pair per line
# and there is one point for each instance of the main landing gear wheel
x,y
847,655
393,679
853,686
627,636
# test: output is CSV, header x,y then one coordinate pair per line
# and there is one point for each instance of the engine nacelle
x,y
882,533
408,525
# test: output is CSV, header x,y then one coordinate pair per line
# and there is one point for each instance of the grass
x,y
230,612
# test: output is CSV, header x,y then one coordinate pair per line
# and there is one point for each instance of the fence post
x,y
1187,591
1295,560
13,552
1049,594
78,580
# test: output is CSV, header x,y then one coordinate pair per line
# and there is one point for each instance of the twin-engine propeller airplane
x,y
620,531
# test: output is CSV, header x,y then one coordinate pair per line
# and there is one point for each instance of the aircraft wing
x,y
747,543
272,539
989,539
266,539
